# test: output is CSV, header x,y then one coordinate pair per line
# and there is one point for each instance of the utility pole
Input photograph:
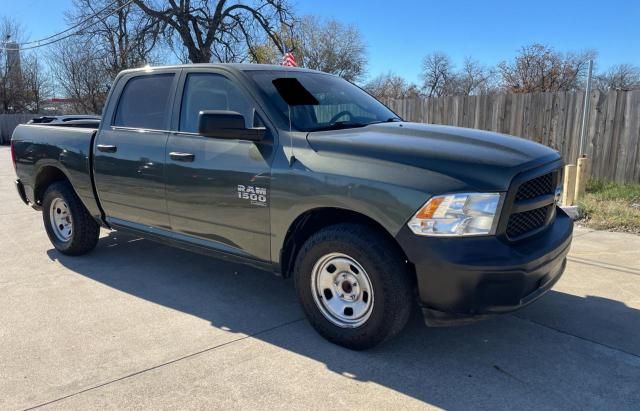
x,y
583,163
585,113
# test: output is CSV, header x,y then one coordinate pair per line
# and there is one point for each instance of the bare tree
x,y
37,83
324,45
123,40
437,74
226,30
266,54
81,75
391,86
540,68
619,77
473,79
24,82
11,87
86,64
330,46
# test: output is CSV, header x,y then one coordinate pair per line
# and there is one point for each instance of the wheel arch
x,y
313,220
46,176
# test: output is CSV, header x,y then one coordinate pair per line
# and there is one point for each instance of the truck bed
x,y
68,148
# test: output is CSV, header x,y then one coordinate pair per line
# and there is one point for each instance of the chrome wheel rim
x,y
342,290
60,217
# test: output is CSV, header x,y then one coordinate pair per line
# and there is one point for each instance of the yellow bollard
x,y
569,185
582,175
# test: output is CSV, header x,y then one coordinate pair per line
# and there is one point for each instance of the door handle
x,y
107,148
182,156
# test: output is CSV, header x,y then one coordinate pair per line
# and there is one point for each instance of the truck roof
x,y
232,66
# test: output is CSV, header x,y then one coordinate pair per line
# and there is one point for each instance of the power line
x,y
97,13
44,42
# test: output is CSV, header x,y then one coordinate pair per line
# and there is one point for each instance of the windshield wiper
x,y
339,125
389,120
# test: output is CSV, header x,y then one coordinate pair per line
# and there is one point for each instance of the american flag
x,y
288,60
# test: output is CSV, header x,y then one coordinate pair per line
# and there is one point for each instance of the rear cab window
x,y
145,102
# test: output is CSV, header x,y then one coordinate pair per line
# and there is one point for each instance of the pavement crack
x,y
558,330
164,364
583,234
607,266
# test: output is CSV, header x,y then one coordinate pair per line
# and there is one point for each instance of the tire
x,y
386,277
77,231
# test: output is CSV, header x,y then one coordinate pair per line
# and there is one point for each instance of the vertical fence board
x,y
627,148
617,149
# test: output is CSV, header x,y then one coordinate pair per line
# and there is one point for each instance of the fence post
x,y
582,174
569,185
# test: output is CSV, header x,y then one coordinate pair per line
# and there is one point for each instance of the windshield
x,y
337,104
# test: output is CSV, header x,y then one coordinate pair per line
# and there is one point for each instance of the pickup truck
x,y
305,175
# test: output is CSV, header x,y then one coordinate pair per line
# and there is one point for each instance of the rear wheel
x,y
70,227
354,285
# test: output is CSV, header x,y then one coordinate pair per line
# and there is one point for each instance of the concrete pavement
x,y
140,325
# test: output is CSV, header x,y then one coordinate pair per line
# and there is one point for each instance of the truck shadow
x,y
546,354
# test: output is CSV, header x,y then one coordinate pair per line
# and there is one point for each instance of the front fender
x,y
296,191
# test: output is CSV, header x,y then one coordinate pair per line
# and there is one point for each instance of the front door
x,y
217,189
129,164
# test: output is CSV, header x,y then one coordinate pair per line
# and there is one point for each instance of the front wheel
x,y
354,285
70,227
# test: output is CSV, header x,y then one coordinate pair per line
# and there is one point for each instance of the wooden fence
x,y
553,119
8,122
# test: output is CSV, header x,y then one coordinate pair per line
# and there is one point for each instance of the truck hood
x,y
481,159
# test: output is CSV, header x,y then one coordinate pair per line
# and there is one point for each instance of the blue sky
x,y
399,33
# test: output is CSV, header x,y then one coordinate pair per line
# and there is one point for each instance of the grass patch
x,y
611,206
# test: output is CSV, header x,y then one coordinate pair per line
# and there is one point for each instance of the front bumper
x,y
460,279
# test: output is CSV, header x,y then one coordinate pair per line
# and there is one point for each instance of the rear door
x,y
129,164
217,189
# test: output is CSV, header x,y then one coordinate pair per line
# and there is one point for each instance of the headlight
x,y
458,215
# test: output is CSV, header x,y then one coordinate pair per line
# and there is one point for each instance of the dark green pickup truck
x,y
303,174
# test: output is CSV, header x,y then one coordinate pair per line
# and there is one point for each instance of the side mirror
x,y
228,125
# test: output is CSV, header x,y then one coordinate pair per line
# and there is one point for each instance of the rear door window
x,y
144,102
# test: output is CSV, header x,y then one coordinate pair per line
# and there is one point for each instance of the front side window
x,y
315,101
204,91
144,102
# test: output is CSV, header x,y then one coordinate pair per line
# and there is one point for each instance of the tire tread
x,y
86,230
383,257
